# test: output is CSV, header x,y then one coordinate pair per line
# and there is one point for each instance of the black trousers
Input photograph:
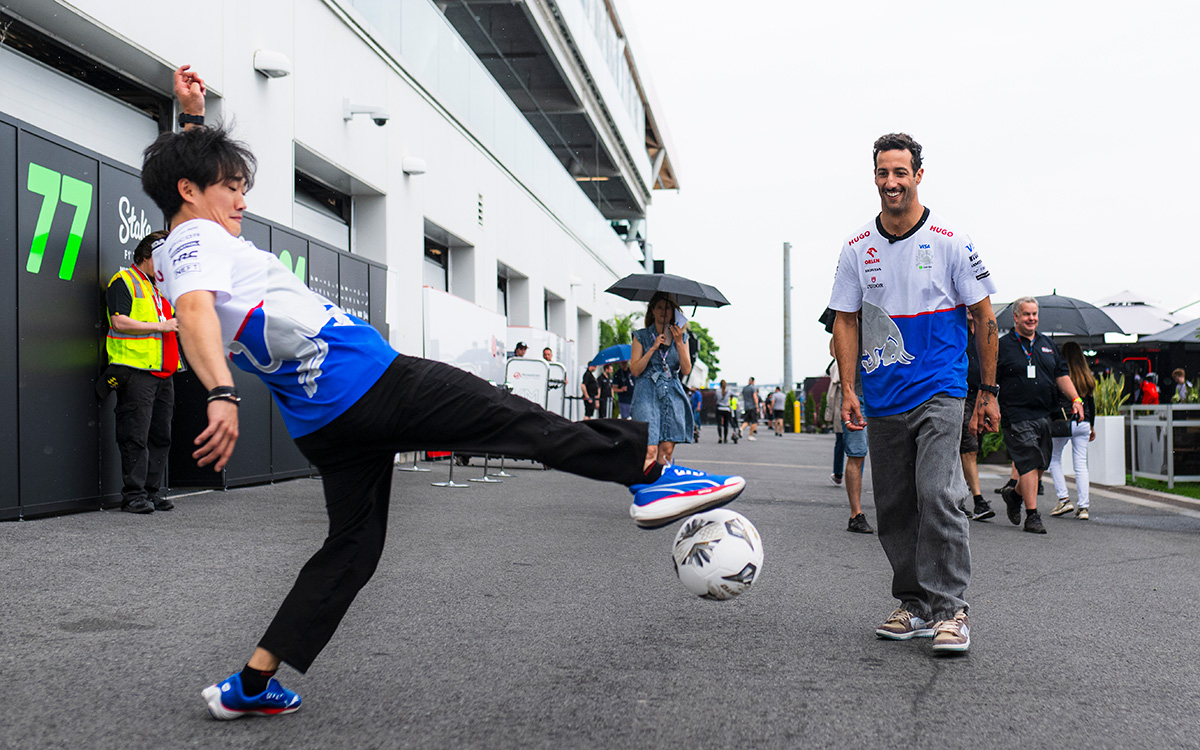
x,y
421,405
723,420
145,405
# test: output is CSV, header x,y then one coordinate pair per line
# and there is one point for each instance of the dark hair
x,y
205,156
897,142
1081,374
146,247
654,301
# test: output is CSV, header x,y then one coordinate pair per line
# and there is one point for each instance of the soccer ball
x,y
717,554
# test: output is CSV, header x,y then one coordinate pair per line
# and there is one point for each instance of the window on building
x,y
322,211
72,62
437,264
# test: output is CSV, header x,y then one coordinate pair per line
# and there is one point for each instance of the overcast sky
x,y
1060,136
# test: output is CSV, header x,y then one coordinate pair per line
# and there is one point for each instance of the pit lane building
x,y
462,174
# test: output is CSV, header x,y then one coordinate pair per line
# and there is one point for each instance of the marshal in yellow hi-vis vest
x,y
145,350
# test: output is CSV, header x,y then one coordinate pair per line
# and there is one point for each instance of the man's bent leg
x,y
943,553
896,517
357,491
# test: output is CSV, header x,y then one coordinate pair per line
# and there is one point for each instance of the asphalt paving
x,y
534,614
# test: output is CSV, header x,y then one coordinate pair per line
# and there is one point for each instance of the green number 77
x,y
53,187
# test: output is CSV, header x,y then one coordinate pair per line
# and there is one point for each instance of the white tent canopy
x,y
1136,313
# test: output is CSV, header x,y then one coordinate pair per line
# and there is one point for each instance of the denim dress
x,y
658,396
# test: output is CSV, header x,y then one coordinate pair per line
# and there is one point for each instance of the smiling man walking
x,y
910,278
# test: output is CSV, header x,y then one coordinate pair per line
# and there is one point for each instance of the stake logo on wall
x,y
56,188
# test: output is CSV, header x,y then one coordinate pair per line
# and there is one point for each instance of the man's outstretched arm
x,y
200,336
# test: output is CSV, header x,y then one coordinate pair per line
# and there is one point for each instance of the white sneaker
x,y
752,438
952,636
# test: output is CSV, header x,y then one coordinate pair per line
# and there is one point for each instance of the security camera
x,y
378,114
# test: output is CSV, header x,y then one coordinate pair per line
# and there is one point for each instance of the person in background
x,y
659,357
724,413
548,354
833,415
622,385
1150,389
520,349
143,354
604,380
968,447
778,401
1179,386
697,399
589,390
1082,433
1030,373
751,405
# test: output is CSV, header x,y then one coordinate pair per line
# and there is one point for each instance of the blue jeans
x,y
921,485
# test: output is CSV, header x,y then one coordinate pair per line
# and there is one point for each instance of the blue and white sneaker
x,y
226,701
680,492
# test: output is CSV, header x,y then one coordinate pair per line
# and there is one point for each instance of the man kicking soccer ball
x,y
349,400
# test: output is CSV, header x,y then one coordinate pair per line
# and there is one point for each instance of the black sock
x,y
979,499
1030,512
1011,483
653,472
254,681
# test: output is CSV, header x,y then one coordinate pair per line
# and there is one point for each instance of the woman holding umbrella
x,y
659,357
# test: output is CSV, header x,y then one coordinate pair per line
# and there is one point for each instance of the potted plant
x,y
1106,454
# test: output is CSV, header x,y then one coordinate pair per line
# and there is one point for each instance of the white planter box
x,y
1106,454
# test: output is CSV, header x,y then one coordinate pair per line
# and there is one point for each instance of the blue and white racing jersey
x,y
914,292
316,360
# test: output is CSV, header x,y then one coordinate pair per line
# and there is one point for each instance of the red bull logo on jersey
x,y
883,344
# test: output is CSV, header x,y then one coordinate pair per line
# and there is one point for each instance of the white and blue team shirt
x,y
316,360
913,291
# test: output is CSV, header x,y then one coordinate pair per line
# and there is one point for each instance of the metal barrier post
x,y
485,478
450,481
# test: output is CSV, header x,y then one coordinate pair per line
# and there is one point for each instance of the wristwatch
x,y
186,119
992,389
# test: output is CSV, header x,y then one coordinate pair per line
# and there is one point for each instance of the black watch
x,y
992,389
186,119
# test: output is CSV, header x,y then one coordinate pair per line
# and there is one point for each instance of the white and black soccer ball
x,y
718,554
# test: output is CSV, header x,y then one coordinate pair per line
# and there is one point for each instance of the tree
x,y
619,330
708,349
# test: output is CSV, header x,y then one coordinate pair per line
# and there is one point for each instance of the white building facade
x,y
490,163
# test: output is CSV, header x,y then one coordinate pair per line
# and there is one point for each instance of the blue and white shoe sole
x,y
672,508
212,696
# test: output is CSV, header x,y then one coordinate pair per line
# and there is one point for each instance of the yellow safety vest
x,y
142,351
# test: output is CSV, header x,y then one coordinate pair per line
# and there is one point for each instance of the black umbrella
x,y
640,287
1058,314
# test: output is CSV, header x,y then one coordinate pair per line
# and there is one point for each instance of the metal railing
x,y
1160,445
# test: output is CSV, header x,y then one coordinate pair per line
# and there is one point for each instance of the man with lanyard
x,y
349,401
914,277
1030,372
143,354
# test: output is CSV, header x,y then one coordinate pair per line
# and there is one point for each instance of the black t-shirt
x,y
623,379
589,384
118,298
1023,397
605,386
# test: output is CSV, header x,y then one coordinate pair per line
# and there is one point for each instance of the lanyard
x,y
153,292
